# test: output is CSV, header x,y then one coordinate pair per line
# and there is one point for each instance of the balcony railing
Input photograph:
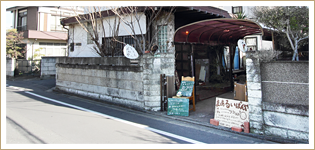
x,y
22,28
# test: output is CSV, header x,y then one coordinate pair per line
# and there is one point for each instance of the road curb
x,y
262,137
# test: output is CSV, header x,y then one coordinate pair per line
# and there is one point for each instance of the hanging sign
x,y
231,113
242,45
130,52
186,88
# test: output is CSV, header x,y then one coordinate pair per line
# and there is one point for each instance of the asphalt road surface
x,y
36,115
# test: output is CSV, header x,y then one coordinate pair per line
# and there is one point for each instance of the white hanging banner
x,y
130,52
242,45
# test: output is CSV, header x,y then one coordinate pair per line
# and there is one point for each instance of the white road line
x,y
117,119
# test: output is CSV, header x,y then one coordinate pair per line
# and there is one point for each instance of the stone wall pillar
x,y
253,79
153,67
10,66
157,64
151,82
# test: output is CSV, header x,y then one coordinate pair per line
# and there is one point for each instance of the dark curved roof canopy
x,y
216,31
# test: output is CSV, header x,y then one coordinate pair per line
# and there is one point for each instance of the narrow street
x,y
31,121
37,115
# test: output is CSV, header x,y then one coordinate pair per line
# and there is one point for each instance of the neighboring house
x,y
82,45
186,41
43,34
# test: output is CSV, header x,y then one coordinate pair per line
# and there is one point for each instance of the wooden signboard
x,y
186,88
231,113
178,106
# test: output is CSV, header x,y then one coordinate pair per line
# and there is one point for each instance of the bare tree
x,y
131,17
291,20
93,23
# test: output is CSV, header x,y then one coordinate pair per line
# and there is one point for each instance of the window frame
x,y
252,45
22,25
239,7
162,44
120,46
55,23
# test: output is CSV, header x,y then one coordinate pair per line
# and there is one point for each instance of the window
x,y
162,38
22,20
55,24
71,47
52,44
52,49
63,52
90,30
56,44
114,46
129,40
251,43
49,51
109,44
237,9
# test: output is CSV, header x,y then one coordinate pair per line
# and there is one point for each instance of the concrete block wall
x,y
48,66
113,80
287,121
278,97
117,79
10,66
291,77
285,87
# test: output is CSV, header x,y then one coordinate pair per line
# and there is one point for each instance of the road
x,y
36,115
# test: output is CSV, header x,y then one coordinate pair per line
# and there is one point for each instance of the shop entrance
x,y
210,65
207,50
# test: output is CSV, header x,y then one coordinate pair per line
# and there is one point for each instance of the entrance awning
x,y
216,31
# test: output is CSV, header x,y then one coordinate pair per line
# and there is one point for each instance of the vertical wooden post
x,y
239,58
192,61
161,91
170,86
231,65
192,58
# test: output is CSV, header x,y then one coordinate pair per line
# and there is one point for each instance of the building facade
x,y
42,32
191,36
